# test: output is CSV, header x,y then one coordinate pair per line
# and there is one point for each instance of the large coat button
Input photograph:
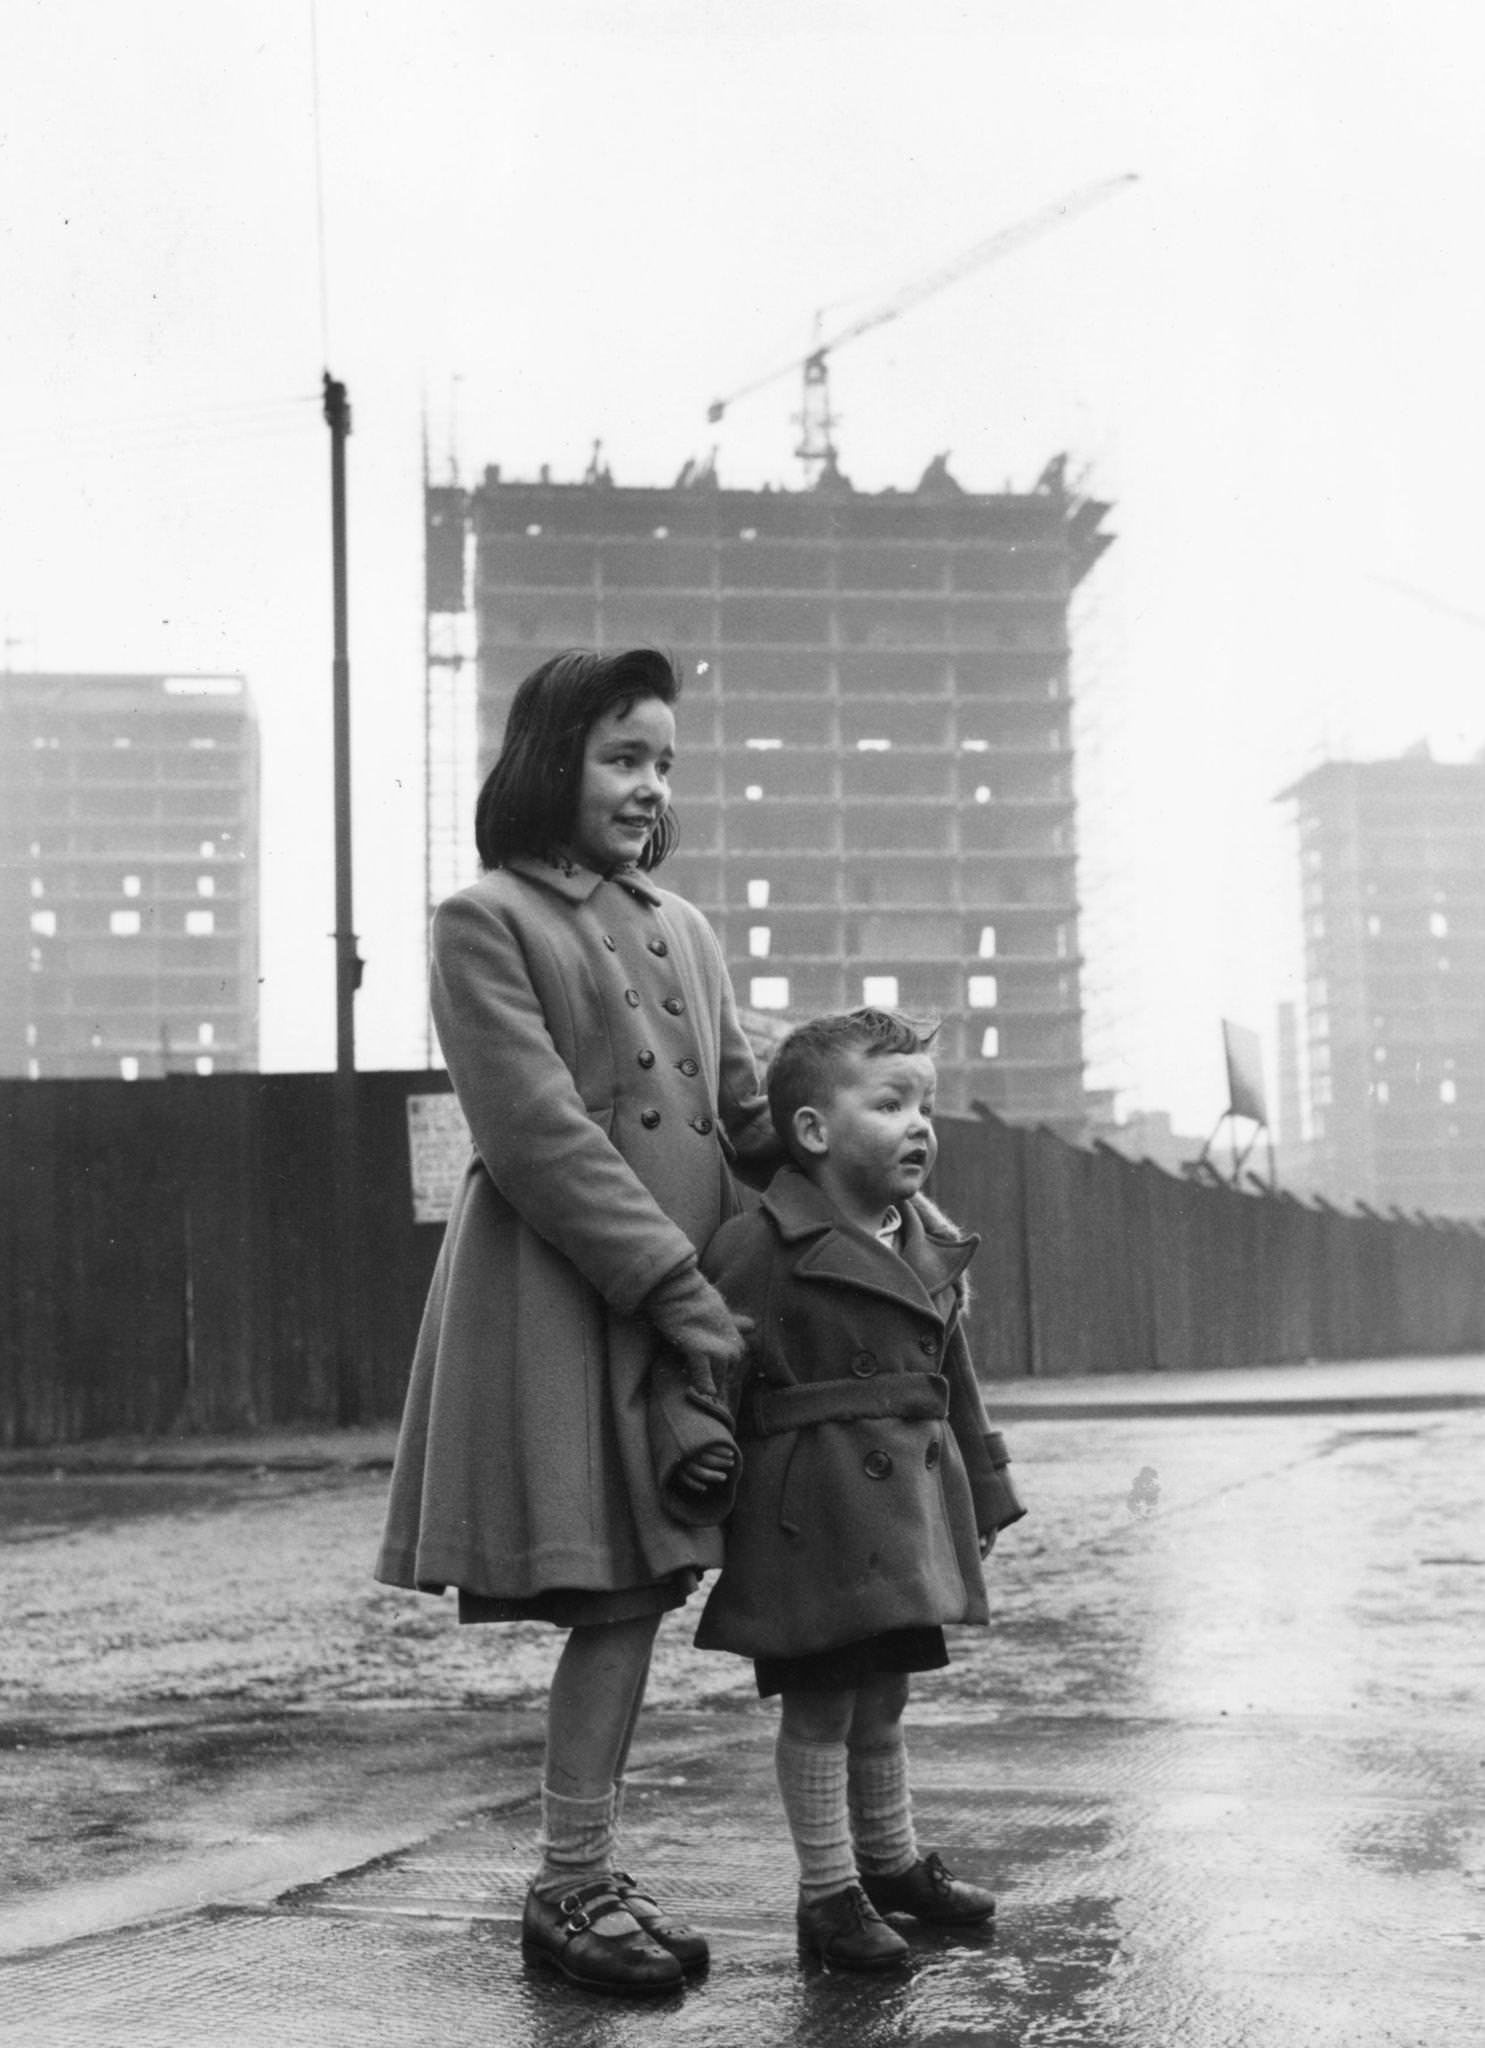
x,y
702,1124
674,1005
864,1364
650,1118
646,1059
689,1068
631,997
609,943
659,947
876,1464
929,1344
931,1455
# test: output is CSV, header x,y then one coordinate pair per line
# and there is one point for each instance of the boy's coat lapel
x,y
926,1266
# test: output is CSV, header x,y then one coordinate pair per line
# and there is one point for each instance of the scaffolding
x,y
449,694
1102,753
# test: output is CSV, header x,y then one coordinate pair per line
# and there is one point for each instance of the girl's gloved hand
x,y
690,1314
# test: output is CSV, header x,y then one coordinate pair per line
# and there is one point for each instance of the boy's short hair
x,y
805,1067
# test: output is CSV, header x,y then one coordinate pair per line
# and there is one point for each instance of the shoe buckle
x,y
575,1916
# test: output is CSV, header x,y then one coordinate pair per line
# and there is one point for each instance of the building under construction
x,y
875,776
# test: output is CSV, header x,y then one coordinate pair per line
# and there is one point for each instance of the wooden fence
x,y
168,1256
168,1260
1094,1263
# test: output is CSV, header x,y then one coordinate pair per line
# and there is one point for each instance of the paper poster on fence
x,y
438,1152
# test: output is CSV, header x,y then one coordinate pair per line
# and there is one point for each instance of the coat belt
x,y
911,1396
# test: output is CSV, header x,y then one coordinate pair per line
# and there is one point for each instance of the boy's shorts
x,y
852,1664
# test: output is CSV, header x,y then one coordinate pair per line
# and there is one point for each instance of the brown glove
x,y
690,1315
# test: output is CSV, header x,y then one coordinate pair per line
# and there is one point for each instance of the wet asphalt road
x,y
1221,1753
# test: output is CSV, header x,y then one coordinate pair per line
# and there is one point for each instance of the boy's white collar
x,y
891,1224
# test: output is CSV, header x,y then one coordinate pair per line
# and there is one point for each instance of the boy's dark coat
x,y
869,1465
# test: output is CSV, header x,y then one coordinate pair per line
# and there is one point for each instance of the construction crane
x,y
817,449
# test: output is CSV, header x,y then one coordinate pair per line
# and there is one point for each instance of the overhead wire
x,y
242,419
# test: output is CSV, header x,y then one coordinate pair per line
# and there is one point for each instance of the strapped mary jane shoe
x,y
844,1928
684,1943
565,1932
928,1891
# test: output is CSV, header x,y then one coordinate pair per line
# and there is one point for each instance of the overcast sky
x,y
557,221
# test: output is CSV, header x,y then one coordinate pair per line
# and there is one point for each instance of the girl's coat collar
x,y
577,884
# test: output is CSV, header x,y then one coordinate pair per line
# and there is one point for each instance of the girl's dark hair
x,y
528,804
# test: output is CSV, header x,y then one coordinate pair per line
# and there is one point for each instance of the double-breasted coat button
x,y
929,1344
659,948
876,1464
674,1005
646,1059
864,1364
702,1124
609,943
689,1068
930,1456
649,1118
631,997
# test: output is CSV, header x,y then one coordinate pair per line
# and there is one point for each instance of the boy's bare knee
x,y
878,1710
817,1716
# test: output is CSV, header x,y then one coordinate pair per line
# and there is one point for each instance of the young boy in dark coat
x,y
872,1484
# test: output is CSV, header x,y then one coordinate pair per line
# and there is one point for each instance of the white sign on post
x,y
438,1144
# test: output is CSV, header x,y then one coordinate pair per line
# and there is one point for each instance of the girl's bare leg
x,y
595,1697
597,1691
641,1681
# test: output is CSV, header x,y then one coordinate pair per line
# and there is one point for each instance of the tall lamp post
x,y
348,963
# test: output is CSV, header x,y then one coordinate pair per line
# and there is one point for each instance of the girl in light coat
x,y
587,1021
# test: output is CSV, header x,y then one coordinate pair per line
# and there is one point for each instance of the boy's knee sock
x,y
812,1784
577,1841
881,1810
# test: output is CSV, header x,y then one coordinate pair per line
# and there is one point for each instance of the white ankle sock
x,y
812,1784
577,1840
881,1810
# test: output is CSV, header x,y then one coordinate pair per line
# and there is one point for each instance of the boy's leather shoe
x,y
563,1931
929,1892
844,1928
684,1943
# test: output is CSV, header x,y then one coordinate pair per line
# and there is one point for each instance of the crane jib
x,y
1003,243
